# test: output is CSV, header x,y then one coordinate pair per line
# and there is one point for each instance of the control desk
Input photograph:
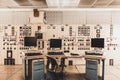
x,y
60,58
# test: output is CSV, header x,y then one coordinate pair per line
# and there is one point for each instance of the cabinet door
x,y
38,70
92,70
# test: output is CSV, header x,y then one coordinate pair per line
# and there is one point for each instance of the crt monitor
x,y
30,41
39,35
97,42
55,43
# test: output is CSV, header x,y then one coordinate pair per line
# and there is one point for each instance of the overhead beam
x,y
109,3
92,5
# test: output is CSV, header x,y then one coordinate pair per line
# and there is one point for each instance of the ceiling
x,y
46,4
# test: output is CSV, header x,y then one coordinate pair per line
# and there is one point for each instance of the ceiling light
x,y
62,3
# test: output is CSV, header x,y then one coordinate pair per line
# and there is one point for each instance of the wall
x,y
75,29
106,21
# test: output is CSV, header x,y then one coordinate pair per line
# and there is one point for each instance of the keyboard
x,y
93,53
55,53
32,54
74,54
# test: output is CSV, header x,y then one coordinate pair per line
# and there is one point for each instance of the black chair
x,y
56,70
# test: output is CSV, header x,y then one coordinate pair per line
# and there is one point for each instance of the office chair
x,y
55,70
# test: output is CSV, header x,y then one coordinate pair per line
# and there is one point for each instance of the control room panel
x,y
74,38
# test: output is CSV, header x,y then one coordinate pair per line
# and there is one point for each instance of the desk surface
x,y
94,57
65,56
34,57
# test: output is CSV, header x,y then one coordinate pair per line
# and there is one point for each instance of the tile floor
x,y
16,73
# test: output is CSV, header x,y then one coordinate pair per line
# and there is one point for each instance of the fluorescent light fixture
x,y
62,3
79,9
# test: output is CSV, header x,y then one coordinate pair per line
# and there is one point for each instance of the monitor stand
x,y
97,50
32,48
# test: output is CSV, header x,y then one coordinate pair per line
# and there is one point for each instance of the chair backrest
x,y
55,67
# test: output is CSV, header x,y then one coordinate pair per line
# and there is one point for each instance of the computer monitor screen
x,y
39,35
55,43
30,41
97,42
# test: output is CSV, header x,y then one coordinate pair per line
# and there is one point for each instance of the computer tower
x,y
35,69
91,69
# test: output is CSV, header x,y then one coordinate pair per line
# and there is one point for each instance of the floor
x,y
15,72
